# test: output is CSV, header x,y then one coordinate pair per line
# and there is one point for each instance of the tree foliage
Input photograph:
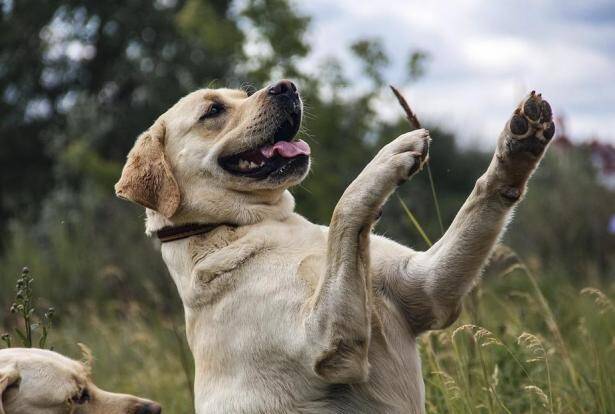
x,y
81,79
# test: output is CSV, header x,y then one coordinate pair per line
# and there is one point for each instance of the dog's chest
x,y
273,261
202,246
277,251
253,289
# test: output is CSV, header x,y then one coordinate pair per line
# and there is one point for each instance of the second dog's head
x,y
37,381
216,148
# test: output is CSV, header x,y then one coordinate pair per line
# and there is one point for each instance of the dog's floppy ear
x,y
9,376
147,178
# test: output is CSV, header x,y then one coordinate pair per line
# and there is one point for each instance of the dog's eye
x,y
82,397
214,110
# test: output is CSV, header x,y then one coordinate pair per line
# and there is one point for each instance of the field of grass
x,y
524,344
135,352
528,341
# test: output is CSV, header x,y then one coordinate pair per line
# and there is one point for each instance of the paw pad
x,y
545,111
518,124
549,131
522,144
533,119
531,108
511,193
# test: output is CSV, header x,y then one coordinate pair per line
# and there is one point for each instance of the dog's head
x,y
215,146
35,381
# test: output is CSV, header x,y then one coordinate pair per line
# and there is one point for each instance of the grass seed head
x,y
483,337
538,392
450,385
600,299
533,344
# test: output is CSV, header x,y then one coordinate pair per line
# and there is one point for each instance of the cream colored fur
x,y
286,316
36,381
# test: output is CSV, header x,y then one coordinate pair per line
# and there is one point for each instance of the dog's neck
x,y
227,207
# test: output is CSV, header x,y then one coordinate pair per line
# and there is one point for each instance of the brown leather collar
x,y
172,233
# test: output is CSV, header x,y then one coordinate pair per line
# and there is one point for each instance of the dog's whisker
x,y
305,188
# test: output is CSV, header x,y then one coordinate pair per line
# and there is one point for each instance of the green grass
x,y
522,348
522,345
540,342
135,351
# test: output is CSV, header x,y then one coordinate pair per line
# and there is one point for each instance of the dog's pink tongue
x,y
286,149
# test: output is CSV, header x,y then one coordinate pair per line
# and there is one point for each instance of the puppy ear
x,y
8,376
147,178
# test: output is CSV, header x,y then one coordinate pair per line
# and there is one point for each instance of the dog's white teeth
x,y
244,165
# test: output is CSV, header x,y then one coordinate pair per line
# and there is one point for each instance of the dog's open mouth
x,y
279,155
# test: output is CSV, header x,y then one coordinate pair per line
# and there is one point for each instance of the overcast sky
x,y
484,56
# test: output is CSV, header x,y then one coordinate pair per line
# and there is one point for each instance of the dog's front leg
x,y
338,323
431,288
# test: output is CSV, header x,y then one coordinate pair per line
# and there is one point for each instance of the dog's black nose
x,y
150,408
283,87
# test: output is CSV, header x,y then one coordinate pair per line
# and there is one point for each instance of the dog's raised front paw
x,y
531,127
523,143
395,163
400,159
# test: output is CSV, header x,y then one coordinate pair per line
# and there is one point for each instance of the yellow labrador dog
x,y
286,316
36,381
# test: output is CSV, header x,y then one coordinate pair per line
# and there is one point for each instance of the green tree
x,y
99,73
95,74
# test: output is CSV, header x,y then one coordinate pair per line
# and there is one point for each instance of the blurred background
x,y
79,80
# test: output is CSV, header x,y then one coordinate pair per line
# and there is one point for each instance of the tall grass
x,y
532,365
520,350
521,345
525,342
135,351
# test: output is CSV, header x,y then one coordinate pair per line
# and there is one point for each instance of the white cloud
x,y
496,54
484,56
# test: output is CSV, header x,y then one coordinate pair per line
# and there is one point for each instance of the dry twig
x,y
414,122
410,116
